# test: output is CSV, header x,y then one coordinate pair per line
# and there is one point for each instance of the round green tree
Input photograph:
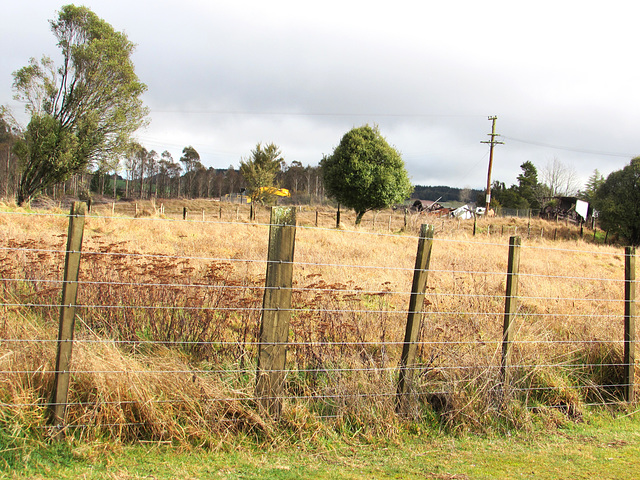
x,y
365,173
618,202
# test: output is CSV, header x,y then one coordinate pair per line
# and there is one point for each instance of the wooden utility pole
x,y
491,143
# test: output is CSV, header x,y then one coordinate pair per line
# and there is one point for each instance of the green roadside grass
x,y
603,446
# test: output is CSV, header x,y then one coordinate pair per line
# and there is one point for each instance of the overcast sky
x,y
563,78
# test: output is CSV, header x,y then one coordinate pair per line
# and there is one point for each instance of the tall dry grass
x,y
166,349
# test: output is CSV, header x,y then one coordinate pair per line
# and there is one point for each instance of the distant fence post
x,y
67,315
629,323
274,329
510,303
184,213
416,304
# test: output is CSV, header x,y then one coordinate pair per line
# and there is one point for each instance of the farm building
x,y
427,206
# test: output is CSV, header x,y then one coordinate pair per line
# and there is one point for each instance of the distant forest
x,y
447,194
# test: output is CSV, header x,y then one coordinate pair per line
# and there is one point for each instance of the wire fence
x,y
169,318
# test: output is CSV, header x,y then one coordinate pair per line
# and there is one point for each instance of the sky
x,y
562,77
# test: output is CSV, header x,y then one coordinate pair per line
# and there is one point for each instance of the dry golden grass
x,y
196,287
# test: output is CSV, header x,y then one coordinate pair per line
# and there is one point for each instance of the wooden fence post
x,y
184,213
338,217
416,304
67,315
629,323
510,303
276,310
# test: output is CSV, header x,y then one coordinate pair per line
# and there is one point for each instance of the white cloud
x,y
223,76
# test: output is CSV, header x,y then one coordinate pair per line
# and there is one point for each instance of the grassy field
x,y
603,447
166,354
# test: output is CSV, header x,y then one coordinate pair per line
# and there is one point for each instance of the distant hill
x,y
447,194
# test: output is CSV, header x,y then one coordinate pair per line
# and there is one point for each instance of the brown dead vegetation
x,y
166,349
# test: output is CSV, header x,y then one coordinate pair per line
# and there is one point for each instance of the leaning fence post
x,y
276,310
416,303
67,314
629,323
510,303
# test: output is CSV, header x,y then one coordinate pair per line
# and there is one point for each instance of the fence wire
x,y
346,327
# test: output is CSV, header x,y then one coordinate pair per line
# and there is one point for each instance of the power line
x,y
316,114
569,149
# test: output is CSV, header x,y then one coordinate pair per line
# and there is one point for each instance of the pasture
x,y
169,315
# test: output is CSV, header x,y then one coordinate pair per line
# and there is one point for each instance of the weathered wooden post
x,y
338,217
276,310
184,213
629,323
416,304
510,304
67,315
